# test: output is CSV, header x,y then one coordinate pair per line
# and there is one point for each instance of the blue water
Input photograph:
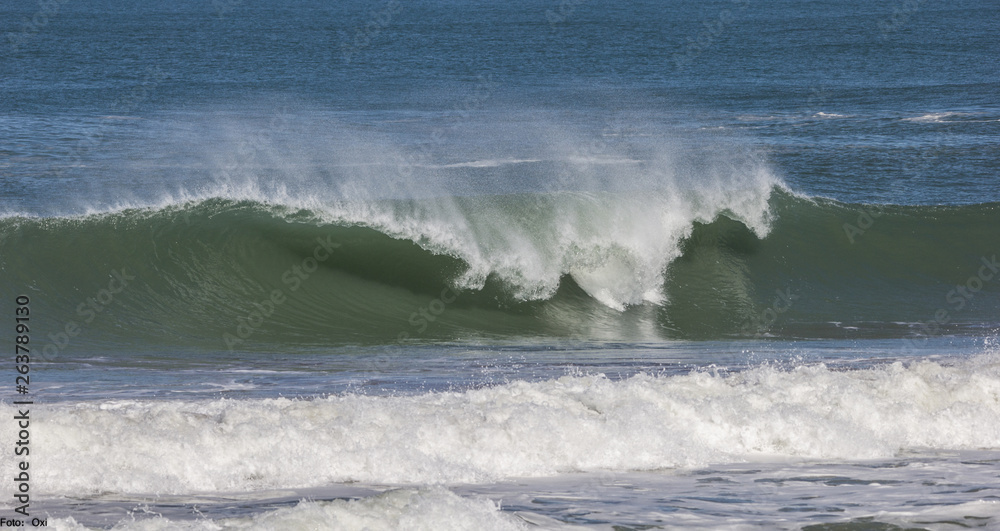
x,y
525,417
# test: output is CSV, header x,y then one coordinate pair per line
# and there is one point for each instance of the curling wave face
x,y
344,239
614,266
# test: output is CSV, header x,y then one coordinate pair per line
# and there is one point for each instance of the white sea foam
x,y
432,508
574,423
615,245
615,236
830,115
610,214
489,163
934,117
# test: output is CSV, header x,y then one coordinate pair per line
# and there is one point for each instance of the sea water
x,y
538,264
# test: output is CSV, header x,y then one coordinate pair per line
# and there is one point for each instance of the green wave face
x,y
833,270
247,276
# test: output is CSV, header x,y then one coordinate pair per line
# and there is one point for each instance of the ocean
x,y
539,264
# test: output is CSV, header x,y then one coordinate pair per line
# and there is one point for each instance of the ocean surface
x,y
539,264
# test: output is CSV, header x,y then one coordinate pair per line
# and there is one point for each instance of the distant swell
x,y
243,275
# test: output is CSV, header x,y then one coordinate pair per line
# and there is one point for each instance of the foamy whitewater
x,y
519,430
647,446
